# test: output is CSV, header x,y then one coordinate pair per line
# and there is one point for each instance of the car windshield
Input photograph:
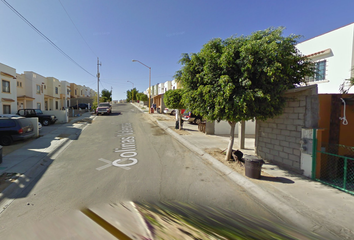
x,y
104,105
38,111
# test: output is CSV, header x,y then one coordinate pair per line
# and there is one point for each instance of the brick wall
x,y
278,139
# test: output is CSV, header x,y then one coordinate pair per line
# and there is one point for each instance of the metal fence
x,y
337,166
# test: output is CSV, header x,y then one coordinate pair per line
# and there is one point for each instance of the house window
x,y
6,109
56,90
75,92
38,90
45,86
67,91
56,105
5,86
320,70
38,106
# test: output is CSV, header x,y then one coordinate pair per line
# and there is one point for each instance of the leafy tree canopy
x,y
173,99
241,78
142,97
106,96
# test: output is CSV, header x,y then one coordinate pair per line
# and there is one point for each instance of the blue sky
x,y
155,32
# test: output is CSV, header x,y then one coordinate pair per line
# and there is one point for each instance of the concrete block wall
x,y
278,139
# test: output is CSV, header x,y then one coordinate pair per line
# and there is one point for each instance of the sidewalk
x,y
309,203
24,161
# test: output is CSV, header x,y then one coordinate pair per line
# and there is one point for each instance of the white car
x,y
15,115
169,111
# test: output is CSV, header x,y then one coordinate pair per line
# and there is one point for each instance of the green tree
x,y
241,78
94,103
106,96
141,97
173,100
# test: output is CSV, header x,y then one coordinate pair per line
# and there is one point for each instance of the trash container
x,y
253,168
152,110
0,154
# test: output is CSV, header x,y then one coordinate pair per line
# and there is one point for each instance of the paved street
x,y
148,165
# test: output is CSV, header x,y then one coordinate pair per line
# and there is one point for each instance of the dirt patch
x,y
220,156
237,166
180,132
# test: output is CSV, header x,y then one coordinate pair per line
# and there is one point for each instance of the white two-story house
x,y
333,54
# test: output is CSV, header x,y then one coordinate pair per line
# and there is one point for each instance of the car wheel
x,y
6,140
45,122
173,112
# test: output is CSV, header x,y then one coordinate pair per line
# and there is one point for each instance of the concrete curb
x,y
261,195
31,174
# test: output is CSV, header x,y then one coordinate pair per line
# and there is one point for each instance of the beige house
x,y
8,89
65,94
30,90
74,91
52,98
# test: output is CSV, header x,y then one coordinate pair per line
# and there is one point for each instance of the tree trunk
x,y
179,119
231,142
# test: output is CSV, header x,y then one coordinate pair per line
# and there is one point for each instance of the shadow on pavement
x,y
277,179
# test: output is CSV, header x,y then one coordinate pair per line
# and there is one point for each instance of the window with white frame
x,y
38,105
320,72
5,86
38,89
56,90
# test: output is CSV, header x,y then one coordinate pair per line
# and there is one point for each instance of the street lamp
x,y
149,81
132,91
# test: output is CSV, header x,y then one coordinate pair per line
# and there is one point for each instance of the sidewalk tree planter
x,y
173,100
242,78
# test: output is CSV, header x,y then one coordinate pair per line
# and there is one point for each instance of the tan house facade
x,y
8,89
32,90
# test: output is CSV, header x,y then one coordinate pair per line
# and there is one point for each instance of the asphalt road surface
x,y
148,165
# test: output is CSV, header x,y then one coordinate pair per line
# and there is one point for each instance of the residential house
x,y
333,54
65,94
30,93
8,89
74,91
174,85
53,94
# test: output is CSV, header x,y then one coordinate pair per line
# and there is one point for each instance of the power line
x,y
77,28
44,36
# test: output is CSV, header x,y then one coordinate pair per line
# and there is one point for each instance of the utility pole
x,y
111,94
98,81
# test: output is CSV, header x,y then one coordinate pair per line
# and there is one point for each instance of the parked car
x,y
169,111
191,118
80,105
44,119
15,115
104,108
14,129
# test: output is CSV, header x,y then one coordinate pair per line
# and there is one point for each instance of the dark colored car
x,y
42,118
191,118
80,105
14,129
104,108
